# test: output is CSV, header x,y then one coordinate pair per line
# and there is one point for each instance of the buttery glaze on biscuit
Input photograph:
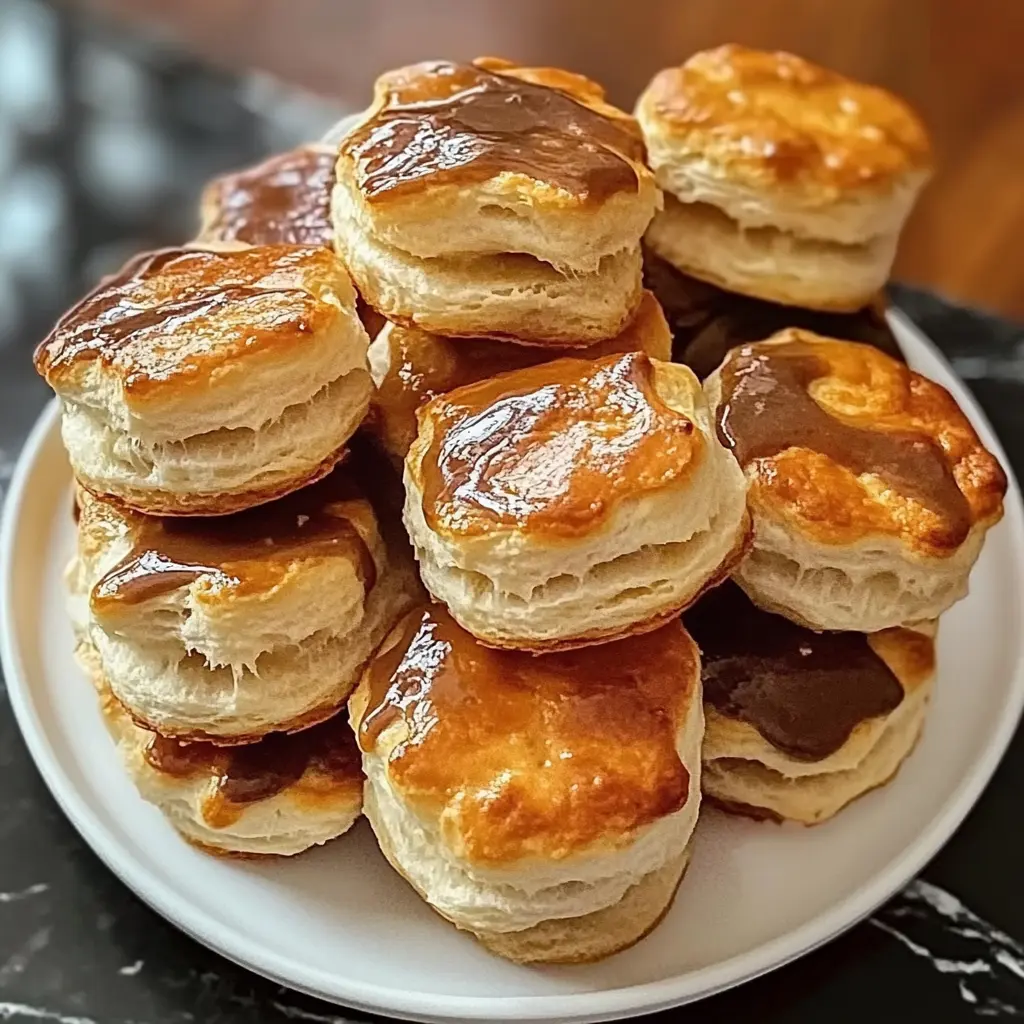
x,y
181,314
422,366
707,321
533,756
551,449
464,124
243,775
248,551
286,199
803,691
776,116
819,419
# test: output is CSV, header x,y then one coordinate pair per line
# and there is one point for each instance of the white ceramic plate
x,y
338,923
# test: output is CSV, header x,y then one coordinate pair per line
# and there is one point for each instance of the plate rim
x,y
607,1004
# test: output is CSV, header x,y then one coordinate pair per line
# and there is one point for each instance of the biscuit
x,y
228,628
200,382
573,502
783,180
278,797
491,200
410,366
544,804
707,321
869,489
285,199
800,723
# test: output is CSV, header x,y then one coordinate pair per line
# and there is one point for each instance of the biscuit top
x,y
844,442
439,123
422,366
523,756
284,199
706,321
774,118
804,692
173,317
235,555
320,761
551,449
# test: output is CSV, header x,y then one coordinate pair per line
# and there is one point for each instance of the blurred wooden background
x,y
960,62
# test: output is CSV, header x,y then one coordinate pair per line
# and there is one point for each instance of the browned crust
x,y
217,851
598,636
162,503
482,938
742,810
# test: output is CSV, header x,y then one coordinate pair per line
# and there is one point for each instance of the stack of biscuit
x,y
529,737
231,578
786,186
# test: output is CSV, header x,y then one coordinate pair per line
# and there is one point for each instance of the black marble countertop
x,y
76,947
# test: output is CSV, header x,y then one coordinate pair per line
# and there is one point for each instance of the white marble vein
x,y
296,1013
24,894
22,1012
130,970
994,959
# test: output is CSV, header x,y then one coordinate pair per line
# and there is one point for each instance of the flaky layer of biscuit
x,y
766,263
509,296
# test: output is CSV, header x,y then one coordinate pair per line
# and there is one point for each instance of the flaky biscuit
x,y
409,367
201,382
544,804
787,178
491,200
573,502
230,628
286,198
869,489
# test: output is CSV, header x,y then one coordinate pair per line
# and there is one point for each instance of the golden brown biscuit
x,y
490,200
228,628
286,198
202,382
800,723
410,366
545,804
785,181
870,491
573,502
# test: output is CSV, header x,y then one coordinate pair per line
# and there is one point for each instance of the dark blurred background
x,y
114,112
